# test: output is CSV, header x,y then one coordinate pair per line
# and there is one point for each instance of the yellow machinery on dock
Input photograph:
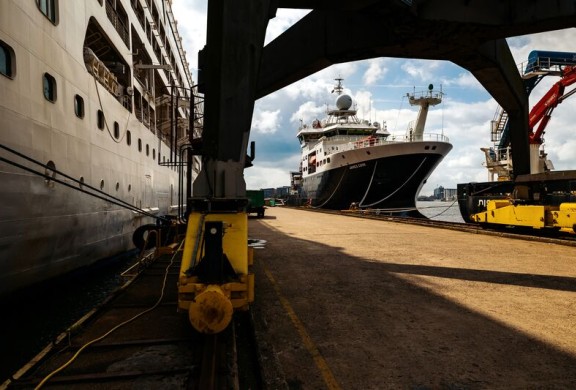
x,y
215,277
507,212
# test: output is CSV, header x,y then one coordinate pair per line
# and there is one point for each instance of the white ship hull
x,y
47,228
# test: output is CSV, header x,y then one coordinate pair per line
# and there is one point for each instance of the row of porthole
x,y
50,175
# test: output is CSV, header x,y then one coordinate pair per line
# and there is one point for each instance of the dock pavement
x,y
350,303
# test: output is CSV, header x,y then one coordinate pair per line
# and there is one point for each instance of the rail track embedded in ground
x,y
552,236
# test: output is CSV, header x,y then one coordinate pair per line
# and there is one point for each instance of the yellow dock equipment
x,y
507,212
215,277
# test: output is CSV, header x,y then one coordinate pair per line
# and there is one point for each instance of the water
x,y
33,319
440,211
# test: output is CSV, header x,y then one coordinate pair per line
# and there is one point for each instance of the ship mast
x,y
338,88
425,100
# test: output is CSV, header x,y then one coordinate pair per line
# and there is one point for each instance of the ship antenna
x,y
338,88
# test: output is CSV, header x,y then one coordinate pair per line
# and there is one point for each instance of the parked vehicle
x,y
255,202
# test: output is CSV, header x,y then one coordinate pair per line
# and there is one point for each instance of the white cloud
x,y
307,112
375,72
266,122
285,18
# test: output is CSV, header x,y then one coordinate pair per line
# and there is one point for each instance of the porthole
x,y
139,145
129,187
368,152
50,172
147,150
101,184
433,147
81,184
117,186
153,154
79,106
128,138
100,119
116,130
49,86
7,60
426,147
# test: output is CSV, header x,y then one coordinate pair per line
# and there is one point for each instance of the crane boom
x,y
542,111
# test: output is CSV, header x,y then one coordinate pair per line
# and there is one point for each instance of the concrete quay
x,y
350,303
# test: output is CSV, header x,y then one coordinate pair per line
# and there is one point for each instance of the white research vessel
x,y
348,162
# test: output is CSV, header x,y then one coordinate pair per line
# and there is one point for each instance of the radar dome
x,y
344,102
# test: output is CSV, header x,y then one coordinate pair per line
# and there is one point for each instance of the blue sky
x,y
379,87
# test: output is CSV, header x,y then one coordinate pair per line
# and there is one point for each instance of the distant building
x,y
445,194
269,192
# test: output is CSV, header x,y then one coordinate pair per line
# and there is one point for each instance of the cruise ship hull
x,y
389,181
85,134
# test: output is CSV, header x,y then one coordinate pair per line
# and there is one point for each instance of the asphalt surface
x,y
351,303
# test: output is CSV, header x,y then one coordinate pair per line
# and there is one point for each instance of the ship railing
x,y
118,21
409,137
368,142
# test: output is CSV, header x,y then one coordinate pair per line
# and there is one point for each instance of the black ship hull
x,y
389,184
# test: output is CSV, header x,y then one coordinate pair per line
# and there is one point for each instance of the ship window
x,y
101,184
129,187
117,186
139,145
6,60
153,154
433,147
368,152
48,8
100,119
128,138
81,184
147,150
49,87
116,130
79,106
426,147
328,159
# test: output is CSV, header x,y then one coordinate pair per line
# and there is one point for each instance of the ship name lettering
x,y
360,165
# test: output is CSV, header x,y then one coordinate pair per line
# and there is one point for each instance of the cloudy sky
x,y
379,87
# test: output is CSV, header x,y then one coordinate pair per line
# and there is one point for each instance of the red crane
x,y
542,111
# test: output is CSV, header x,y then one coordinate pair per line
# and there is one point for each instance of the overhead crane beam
x,y
468,33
